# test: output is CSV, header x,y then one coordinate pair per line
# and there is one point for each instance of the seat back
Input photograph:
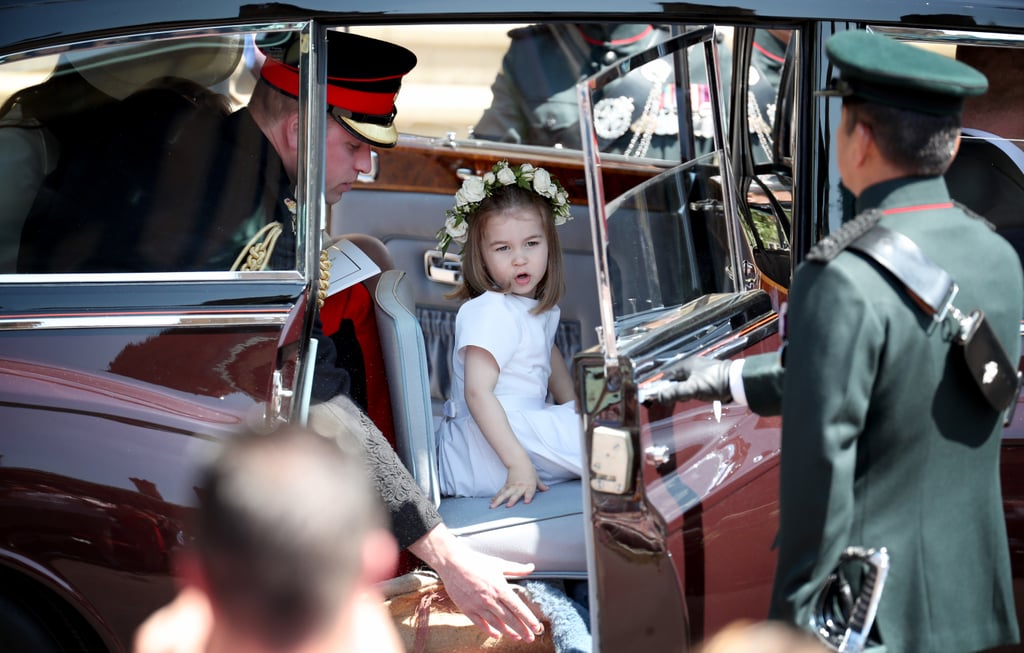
x,y
405,360
987,175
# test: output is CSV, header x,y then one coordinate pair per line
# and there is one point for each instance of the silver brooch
x,y
612,116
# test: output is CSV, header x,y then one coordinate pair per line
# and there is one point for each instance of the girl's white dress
x,y
521,344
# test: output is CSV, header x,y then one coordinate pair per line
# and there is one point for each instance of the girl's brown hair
x,y
475,278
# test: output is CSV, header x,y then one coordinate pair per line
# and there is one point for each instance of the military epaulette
x,y
972,214
829,247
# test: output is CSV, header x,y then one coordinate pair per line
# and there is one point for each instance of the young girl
x,y
499,437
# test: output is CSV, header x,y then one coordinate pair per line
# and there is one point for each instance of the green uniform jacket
x,y
885,442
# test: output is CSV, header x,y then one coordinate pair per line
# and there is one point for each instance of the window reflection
x,y
114,163
534,94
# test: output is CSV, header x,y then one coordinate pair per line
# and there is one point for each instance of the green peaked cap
x,y
876,68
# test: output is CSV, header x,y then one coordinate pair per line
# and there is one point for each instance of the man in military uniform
x,y
887,440
364,76
535,93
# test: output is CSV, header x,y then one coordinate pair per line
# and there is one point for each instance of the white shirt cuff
x,y
736,382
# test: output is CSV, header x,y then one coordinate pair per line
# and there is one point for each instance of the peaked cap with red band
x,y
364,76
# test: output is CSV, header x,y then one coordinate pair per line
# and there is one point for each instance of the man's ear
x,y
863,141
291,131
956,146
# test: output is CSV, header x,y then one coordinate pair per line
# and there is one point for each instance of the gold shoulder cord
x,y
325,278
256,254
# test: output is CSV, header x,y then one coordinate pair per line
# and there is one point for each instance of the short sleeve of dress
x,y
491,323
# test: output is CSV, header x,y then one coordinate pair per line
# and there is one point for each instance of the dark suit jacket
x,y
885,442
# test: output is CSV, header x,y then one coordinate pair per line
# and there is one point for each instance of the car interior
x,y
653,209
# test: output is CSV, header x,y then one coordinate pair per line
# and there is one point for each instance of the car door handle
x,y
442,268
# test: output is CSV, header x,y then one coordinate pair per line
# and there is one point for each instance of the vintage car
x,y
116,379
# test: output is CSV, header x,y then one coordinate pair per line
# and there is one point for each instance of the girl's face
x,y
515,251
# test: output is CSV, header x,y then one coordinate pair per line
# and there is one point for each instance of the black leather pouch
x,y
986,360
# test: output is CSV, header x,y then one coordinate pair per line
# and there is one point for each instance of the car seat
x,y
987,177
548,532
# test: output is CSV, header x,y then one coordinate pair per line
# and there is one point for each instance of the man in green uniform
x,y
887,439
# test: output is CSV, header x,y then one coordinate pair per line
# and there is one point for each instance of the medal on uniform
x,y
661,111
659,115
666,122
700,106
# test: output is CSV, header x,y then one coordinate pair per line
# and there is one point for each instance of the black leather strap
x,y
986,360
925,280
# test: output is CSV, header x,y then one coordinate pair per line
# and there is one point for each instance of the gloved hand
x,y
697,377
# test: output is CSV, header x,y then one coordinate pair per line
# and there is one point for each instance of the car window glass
x,y
123,157
515,84
667,240
764,151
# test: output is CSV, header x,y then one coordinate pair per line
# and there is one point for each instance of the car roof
x,y
34,23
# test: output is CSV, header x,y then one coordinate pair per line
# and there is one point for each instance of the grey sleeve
x,y
762,383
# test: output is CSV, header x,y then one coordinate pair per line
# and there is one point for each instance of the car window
x,y
668,240
119,156
515,84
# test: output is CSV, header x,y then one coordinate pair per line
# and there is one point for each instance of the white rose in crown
x,y
560,219
506,177
456,229
542,182
473,190
489,179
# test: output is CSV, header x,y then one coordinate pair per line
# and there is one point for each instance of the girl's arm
x,y
488,413
560,382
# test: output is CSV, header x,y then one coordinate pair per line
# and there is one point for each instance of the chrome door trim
x,y
592,156
138,319
309,192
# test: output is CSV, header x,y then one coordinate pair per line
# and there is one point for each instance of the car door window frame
x,y
598,205
310,145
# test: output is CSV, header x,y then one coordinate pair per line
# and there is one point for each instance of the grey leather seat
x,y
987,177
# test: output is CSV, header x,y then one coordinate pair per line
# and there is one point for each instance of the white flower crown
x,y
475,189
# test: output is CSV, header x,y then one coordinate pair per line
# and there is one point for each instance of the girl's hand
x,y
522,482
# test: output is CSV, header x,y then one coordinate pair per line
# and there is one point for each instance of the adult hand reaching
x,y
476,583
697,377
